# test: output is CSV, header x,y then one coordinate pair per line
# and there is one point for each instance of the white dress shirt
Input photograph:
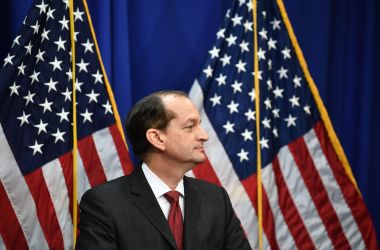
x,y
160,188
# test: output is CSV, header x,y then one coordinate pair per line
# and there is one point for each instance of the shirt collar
x,y
158,186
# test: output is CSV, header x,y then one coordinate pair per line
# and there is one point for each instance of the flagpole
x,y
257,105
75,145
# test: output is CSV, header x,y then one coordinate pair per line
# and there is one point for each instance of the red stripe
x,y
66,161
352,197
205,172
91,161
318,193
250,185
45,209
10,228
289,211
121,149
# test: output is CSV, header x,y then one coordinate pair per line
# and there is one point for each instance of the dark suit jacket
x,y
124,214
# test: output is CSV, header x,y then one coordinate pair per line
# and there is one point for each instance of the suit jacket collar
x,y
192,211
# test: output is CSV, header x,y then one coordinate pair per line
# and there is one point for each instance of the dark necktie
x,y
175,217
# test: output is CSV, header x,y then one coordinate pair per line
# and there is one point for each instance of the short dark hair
x,y
147,113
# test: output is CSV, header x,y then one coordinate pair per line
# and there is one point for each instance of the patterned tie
x,y
175,217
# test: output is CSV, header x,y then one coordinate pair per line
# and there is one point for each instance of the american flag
x,y
36,162
309,197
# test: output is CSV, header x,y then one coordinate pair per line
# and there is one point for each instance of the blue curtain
x,y
149,45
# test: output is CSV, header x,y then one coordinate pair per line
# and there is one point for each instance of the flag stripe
x,y
20,197
66,162
55,182
318,193
358,209
333,191
11,234
205,172
83,182
302,200
91,161
290,212
107,153
45,209
121,149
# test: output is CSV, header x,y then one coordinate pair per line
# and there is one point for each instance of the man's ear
x,y
156,138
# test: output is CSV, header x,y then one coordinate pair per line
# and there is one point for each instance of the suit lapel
x,y
148,205
192,210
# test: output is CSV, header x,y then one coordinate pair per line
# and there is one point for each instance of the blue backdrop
x,y
149,45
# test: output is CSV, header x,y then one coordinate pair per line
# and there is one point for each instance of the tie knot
x,y
172,196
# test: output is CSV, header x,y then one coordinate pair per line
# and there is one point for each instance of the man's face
x,y
184,135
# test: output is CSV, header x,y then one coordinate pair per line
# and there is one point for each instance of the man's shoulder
x,y
203,186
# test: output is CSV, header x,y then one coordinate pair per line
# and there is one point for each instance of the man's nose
x,y
202,134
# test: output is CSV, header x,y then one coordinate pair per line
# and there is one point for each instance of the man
x,y
157,206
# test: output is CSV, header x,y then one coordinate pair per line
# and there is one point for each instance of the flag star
x,y
247,135
275,132
282,73
225,59
297,81
41,127
263,34
237,86
51,84
63,115
241,2
29,48
248,26
278,92
45,35
56,64
35,27
78,15
208,71
58,136
272,44
229,127
75,35
240,66
214,52
266,122
24,21
260,74
60,43
69,74
291,121
264,13
34,76
220,33
16,40
231,40
228,14
275,24
269,64
249,5
50,14
261,54
98,77
276,113
264,143
42,7
93,96
233,107
221,79
66,2
29,98
215,100
88,46
244,46
250,115
243,155
268,103
8,59
236,20
23,118
14,89
286,53
269,83
307,109
107,107
78,85
21,69
64,23
36,147
40,56
46,105
86,116
294,101
82,65
252,94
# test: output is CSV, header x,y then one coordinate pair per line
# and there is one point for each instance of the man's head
x,y
167,123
